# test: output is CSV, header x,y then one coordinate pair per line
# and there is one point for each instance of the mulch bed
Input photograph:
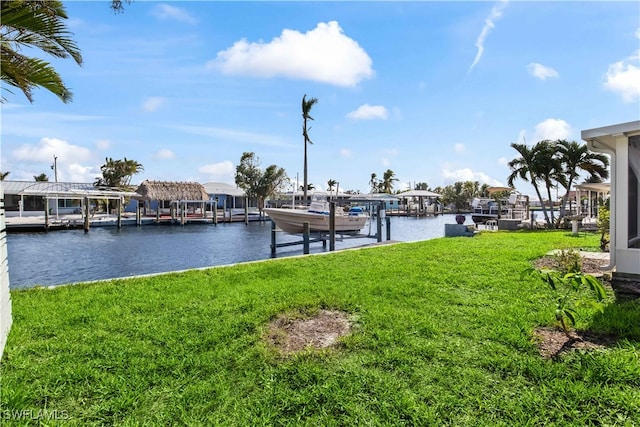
x,y
589,266
553,342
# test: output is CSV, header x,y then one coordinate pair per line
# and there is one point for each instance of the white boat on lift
x,y
318,216
513,207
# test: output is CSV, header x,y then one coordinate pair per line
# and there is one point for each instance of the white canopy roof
x,y
418,193
222,188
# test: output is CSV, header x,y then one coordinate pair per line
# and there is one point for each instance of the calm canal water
x,y
69,256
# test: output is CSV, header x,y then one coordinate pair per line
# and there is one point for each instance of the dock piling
x,y
305,237
87,207
332,226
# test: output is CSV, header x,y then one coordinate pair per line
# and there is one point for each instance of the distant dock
x,y
76,221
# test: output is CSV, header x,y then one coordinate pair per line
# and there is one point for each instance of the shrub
x,y
603,226
568,261
567,292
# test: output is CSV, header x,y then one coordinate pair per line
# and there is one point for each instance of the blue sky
x,y
435,91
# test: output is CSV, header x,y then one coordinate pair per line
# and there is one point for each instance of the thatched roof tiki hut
x,y
174,198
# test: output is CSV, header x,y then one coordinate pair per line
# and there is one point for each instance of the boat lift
x,y
309,236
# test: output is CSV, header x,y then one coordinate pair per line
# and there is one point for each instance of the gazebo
x,y
622,143
177,198
593,192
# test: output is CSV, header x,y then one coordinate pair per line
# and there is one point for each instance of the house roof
x,y
66,190
604,137
223,189
601,187
171,190
418,193
372,197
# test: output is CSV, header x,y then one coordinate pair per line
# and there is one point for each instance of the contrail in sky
x,y
496,13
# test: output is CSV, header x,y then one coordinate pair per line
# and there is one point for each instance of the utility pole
x,y
54,166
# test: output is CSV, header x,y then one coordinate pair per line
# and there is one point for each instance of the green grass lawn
x,y
442,336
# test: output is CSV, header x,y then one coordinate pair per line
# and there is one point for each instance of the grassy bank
x,y
442,336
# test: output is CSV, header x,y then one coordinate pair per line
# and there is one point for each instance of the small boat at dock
x,y
318,216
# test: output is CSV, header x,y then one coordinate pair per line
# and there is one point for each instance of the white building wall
x,y
5,297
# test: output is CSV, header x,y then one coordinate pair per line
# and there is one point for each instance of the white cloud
x,y
503,161
459,148
164,154
153,103
489,24
78,173
623,77
369,112
346,153
638,33
540,71
221,171
48,147
68,164
552,129
466,174
386,162
165,11
323,54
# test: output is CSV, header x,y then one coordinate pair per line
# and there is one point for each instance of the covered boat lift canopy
x,y
55,190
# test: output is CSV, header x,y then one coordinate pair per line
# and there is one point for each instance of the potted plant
x,y
460,218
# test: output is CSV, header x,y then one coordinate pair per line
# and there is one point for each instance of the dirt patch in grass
x,y
589,265
290,334
553,342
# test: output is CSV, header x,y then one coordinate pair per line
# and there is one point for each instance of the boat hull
x,y
292,221
483,218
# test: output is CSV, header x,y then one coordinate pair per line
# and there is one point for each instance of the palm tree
x,y
526,167
28,25
549,169
306,109
118,173
388,178
118,5
574,158
4,175
130,168
330,184
41,178
375,184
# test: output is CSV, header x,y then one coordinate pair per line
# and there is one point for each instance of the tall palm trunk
x,y
306,109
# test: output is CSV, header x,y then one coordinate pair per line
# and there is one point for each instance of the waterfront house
x,y
387,201
622,143
227,196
